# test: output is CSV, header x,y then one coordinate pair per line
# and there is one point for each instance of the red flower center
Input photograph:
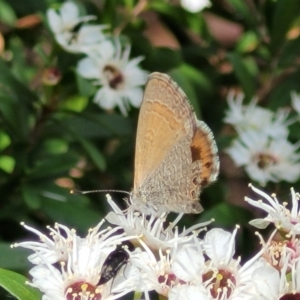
x,y
290,297
114,76
82,290
222,282
169,279
265,160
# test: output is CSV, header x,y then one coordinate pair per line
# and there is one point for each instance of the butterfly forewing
x,y
175,154
165,117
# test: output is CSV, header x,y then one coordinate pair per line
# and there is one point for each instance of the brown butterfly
x,y
176,155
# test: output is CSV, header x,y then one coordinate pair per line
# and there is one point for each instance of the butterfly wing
x,y
204,149
168,158
164,119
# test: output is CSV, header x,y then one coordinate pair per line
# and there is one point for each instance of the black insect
x,y
114,262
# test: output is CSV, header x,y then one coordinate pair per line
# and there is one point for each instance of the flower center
x,y
274,254
290,297
82,291
169,280
220,283
114,77
265,160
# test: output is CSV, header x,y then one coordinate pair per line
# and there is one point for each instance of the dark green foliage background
x,y
47,131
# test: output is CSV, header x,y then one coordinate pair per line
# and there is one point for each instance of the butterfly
x,y
175,154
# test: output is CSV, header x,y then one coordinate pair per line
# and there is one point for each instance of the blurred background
x,y
55,138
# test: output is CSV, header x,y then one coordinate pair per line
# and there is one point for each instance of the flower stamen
x,y
221,283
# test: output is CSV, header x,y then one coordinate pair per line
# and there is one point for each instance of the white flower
x,y
252,117
284,219
280,254
152,230
195,5
220,276
214,245
186,292
296,102
271,284
267,283
119,77
261,146
69,267
266,159
69,31
50,250
160,244
155,269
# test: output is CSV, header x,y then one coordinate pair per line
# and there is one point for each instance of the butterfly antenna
x,y
97,191
105,191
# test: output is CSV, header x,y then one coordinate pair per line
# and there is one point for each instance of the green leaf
x,y
31,196
53,166
4,140
243,74
94,154
194,83
97,125
85,87
185,83
163,59
35,192
15,118
197,77
226,215
14,283
294,131
19,68
177,13
197,24
76,103
129,4
28,7
290,53
173,11
56,146
138,296
7,163
7,14
281,93
73,213
161,6
241,9
285,15
248,42
13,258
9,85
